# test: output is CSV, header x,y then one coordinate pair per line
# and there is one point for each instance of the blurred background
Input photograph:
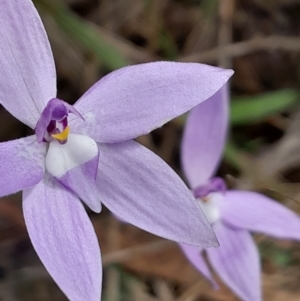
x,y
259,39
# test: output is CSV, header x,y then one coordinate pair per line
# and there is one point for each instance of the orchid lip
x,y
209,195
210,205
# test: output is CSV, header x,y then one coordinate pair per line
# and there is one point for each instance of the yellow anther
x,y
63,135
205,199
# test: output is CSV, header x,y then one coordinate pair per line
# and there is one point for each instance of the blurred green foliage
x,y
125,283
234,156
249,110
282,257
254,109
84,33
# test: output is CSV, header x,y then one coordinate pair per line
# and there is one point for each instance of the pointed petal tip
x,y
213,243
206,239
226,73
96,209
208,245
209,241
229,72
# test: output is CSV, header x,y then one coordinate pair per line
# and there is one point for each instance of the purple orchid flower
x,y
86,152
232,213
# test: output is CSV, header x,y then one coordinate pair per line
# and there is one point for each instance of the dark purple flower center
x,y
53,122
213,185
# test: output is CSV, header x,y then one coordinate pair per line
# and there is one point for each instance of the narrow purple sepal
x,y
255,212
204,138
21,164
64,239
27,77
135,100
237,261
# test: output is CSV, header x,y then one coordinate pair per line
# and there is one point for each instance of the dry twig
x,y
269,43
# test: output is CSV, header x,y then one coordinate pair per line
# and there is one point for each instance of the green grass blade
x,y
249,110
85,33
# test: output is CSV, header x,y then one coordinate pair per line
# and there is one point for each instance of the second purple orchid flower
x,y
232,213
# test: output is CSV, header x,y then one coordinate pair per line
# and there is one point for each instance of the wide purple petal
x,y
64,239
256,212
22,164
135,100
237,262
140,188
194,255
204,138
27,77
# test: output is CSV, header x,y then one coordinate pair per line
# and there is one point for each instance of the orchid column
x,y
232,213
86,152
